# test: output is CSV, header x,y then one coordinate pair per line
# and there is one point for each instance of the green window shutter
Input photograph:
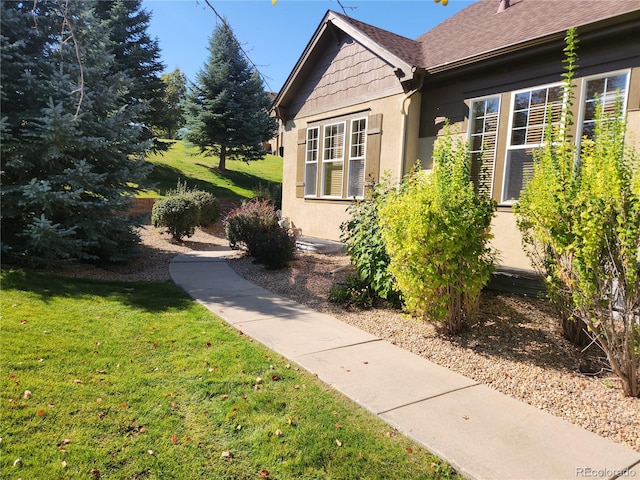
x,y
300,164
374,140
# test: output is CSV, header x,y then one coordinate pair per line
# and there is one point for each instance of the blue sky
x,y
275,36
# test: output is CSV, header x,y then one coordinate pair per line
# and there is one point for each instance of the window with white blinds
x,y
532,112
357,154
483,138
333,160
602,92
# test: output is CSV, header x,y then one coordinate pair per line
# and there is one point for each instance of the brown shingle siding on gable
x,y
479,29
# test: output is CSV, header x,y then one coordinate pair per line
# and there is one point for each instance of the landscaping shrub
x,y
437,231
273,247
179,214
208,204
363,236
581,229
353,292
249,220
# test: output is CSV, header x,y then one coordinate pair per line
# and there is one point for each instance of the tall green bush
x,y
581,228
179,214
437,232
362,234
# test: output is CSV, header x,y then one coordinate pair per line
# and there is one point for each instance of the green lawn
x,y
136,380
185,163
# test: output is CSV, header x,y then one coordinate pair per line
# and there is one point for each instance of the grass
x,y
136,380
187,164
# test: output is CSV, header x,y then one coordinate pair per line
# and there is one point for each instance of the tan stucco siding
x,y
507,241
322,217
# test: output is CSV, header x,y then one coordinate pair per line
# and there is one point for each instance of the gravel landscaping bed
x,y
516,347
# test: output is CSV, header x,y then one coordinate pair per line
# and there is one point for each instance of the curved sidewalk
x,y
482,433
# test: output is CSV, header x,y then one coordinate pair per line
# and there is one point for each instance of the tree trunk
x,y
222,166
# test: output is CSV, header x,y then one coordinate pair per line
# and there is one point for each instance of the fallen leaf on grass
x,y
224,396
226,454
278,433
264,473
150,452
40,413
26,394
338,425
409,450
174,438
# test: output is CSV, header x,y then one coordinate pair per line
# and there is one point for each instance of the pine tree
x,y
138,56
71,153
226,109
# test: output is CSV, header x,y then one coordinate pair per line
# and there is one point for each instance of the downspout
x,y
405,122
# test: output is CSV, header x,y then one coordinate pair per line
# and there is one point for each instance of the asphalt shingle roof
x,y
479,28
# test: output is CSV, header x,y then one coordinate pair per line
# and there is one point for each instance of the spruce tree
x,y
71,154
226,108
138,56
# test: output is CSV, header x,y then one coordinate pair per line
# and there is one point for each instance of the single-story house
x,y
362,101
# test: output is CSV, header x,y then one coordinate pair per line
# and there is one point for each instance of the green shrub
x,y
180,215
363,236
581,229
353,292
274,247
249,220
437,231
270,191
208,204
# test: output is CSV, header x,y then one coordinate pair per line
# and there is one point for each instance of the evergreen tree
x,y
226,109
70,145
138,56
175,91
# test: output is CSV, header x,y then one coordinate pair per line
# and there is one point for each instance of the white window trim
x,y
341,160
306,162
469,133
583,92
508,146
363,157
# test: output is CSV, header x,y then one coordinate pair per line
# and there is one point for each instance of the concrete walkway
x,y
482,433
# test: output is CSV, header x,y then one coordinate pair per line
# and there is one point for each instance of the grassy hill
x,y
186,164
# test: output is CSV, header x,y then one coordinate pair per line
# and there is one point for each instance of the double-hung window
x,y
483,137
311,162
357,153
532,112
605,92
333,160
